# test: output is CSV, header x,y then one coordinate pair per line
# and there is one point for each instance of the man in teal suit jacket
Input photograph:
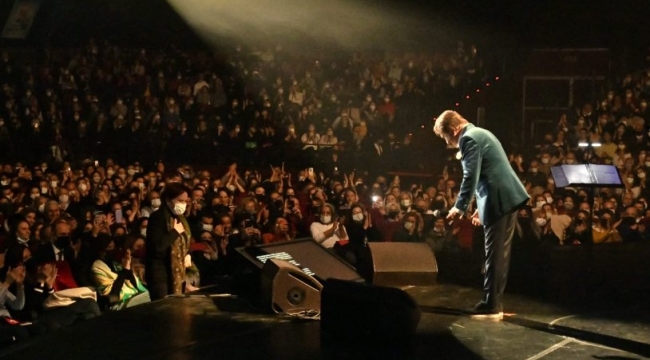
x,y
487,174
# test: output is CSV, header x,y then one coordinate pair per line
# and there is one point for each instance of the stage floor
x,y
212,328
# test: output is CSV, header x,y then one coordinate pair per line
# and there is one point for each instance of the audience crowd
x,y
306,145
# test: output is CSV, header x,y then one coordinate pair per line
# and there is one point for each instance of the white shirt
x,y
318,230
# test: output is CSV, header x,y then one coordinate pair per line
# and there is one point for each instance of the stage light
x,y
478,90
467,97
457,104
487,84
496,78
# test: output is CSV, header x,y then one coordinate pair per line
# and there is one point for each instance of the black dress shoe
x,y
483,311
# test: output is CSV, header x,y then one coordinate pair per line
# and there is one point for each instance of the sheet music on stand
x,y
586,175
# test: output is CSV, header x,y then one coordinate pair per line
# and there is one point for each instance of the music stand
x,y
588,176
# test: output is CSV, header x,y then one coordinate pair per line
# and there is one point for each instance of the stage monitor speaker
x,y
401,264
353,311
287,289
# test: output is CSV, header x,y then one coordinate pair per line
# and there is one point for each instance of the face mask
x,y
551,181
140,253
326,219
109,173
540,221
131,172
34,196
408,225
545,160
406,203
549,200
549,214
621,146
53,184
155,203
357,217
62,241
568,206
570,161
208,227
179,208
630,180
533,170
4,182
393,214
83,187
540,203
231,188
143,232
641,175
141,186
64,198
41,208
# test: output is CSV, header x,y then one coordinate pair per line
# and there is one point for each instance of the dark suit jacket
x,y
488,175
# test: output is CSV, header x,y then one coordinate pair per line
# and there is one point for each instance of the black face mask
x,y
62,242
278,203
112,255
315,209
393,214
260,197
438,205
220,209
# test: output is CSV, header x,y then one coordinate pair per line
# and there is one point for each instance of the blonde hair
x,y
446,121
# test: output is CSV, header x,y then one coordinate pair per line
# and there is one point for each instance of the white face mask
x,y
568,206
155,203
143,232
549,200
83,187
326,219
549,214
179,208
357,217
44,190
545,160
53,184
647,164
34,196
231,188
406,203
630,180
641,175
540,203
408,225
4,182
41,208
208,227
540,221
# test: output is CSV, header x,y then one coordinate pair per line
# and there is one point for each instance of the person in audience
x,y
328,229
167,243
113,276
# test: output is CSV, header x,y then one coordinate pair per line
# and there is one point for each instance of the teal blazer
x,y
488,175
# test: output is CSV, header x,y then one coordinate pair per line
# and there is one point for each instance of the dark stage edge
x,y
223,328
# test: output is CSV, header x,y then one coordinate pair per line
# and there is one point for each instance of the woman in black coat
x,y
168,243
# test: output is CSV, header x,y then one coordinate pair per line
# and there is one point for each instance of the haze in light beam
x,y
346,23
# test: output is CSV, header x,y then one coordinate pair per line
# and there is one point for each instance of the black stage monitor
x,y
305,253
